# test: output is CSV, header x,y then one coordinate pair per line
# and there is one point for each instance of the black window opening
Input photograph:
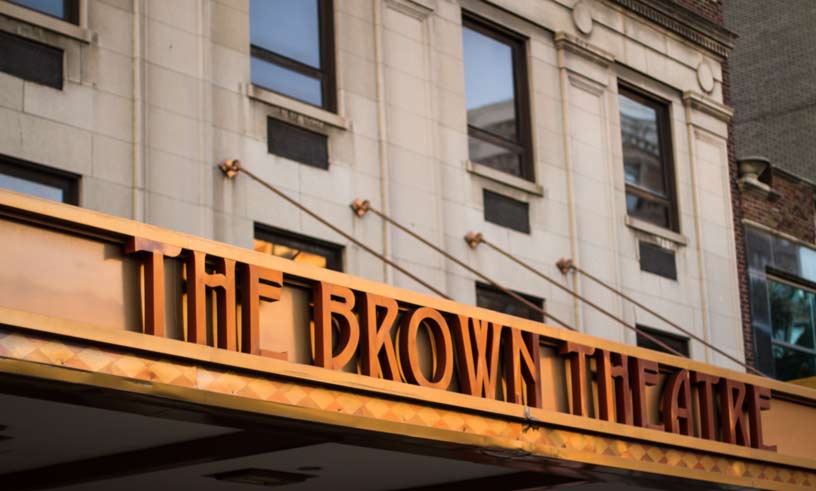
x,y
30,60
492,298
296,143
292,46
647,158
793,328
657,260
298,248
677,343
496,95
38,180
506,212
67,10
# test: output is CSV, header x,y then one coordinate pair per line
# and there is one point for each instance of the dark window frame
x,y
490,289
71,8
656,268
490,214
662,109
331,251
292,148
46,67
518,46
327,75
662,336
68,182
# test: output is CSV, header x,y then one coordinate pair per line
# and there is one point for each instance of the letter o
x,y
409,357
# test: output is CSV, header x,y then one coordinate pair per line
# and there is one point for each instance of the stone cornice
x,y
697,101
683,22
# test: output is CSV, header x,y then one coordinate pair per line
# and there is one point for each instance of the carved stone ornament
x,y
705,77
582,17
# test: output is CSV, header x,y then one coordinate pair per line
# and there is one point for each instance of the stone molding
x,y
686,24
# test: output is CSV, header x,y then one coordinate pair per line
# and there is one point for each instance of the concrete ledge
x,y
301,108
504,178
651,229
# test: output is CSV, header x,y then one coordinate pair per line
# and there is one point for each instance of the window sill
x,y
297,107
46,22
504,178
651,229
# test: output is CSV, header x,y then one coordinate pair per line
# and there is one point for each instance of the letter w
x,y
477,348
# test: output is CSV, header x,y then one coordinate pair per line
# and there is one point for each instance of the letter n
x,y
522,360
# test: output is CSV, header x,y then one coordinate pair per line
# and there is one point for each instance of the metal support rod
x,y
579,297
564,265
232,167
360,208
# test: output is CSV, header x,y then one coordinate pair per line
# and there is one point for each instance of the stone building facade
x,y
152,95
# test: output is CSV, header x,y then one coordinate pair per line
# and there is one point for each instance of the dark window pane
x,y
297,143
287,27
54,8
677,343
489,84
287,82
506,212
657,260
641,149
37,180
758,246
30,60
648,210
494,156
298,248
792,314
494,299
785,255
790,364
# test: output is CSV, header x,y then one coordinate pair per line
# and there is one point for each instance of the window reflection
x,y
30,187
793,326
287,27
291,253
60,9
641,149
38,180
489,85
646,166
291,49
298,248
494,79
291,83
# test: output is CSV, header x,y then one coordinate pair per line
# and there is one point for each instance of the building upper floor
x,y
592,130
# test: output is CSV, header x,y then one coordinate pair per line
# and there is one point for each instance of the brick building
x,y
774,124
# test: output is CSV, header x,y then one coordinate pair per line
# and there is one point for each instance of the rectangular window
x,y
30,60
793,328
498,112
492,298
292,49
506,212
647,158
657,260
39,181
298,248
296,143
67,10
678,343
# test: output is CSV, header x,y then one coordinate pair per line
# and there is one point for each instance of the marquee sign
x,y
79,274
382,334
